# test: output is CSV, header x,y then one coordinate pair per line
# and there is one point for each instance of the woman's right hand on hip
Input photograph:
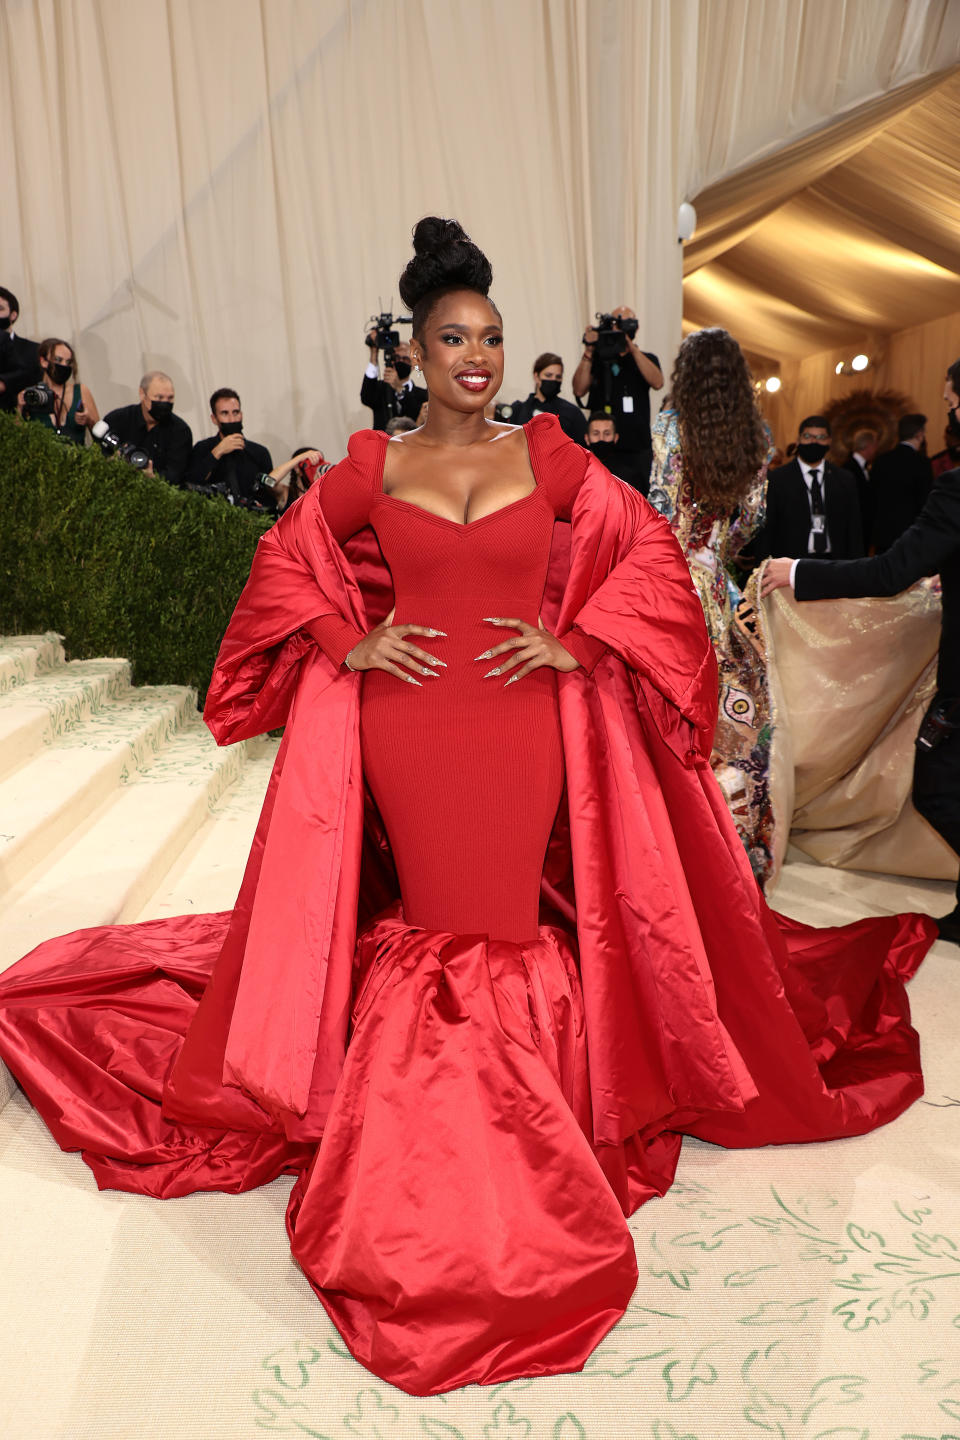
x,y
386,647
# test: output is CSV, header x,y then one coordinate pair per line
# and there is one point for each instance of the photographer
x,y
931,546
152,427
545,399
616,376
66,409
19,364
295,476
228,462
604,442
396,393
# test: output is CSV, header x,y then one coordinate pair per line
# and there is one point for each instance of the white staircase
x,y
115,801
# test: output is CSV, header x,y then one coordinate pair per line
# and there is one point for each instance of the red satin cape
x,y
489,1112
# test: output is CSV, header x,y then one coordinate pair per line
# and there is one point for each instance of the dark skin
x,y
462,467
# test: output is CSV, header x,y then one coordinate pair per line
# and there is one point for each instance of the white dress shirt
x,y
807,472
372,372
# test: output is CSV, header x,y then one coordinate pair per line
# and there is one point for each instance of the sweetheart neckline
x,y
445,519
461,524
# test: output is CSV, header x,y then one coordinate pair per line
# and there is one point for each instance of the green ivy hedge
x,y
118,563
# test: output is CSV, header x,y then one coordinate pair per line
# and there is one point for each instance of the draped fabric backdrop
x,y
226,189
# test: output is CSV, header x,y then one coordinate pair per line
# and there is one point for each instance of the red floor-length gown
x,y
462,1217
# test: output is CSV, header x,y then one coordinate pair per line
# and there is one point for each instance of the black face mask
x,y
605,451
5,322
953,424
161,410
402,368
231,427
59,373
550,389
812,453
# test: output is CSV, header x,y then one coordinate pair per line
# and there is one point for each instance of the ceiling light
x,y
839,368
773,384
686,222
860,362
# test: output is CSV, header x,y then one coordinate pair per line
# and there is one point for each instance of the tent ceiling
x,y
867,247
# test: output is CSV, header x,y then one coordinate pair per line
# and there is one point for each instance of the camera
x,y
504,412
939,723
220,490
387,339
38,397
611,330
111,444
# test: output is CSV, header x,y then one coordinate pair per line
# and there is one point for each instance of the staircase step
x,y
36,713
106,875
60,789
207,875
23,657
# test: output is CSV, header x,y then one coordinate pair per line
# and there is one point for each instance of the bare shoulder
x,y
405,437
501,429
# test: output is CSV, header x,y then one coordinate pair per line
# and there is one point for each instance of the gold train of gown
x,y
820,702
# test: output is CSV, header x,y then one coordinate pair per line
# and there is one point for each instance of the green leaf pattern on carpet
x,y
819,1284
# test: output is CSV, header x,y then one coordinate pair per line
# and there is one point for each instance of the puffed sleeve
x,y
300,578
346,495
560,465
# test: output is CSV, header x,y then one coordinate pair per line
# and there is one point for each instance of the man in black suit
x,y
812,505
229,459
19,362
152,427
901,482
931,546
621,386
603,440
858,463
545,399
396,393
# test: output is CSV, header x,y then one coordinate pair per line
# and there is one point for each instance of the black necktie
x,y
816,508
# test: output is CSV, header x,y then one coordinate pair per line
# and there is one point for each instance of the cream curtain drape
x,y
225,189
730,209
873,192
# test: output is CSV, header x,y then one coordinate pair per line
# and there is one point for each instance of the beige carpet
x,y
798,1293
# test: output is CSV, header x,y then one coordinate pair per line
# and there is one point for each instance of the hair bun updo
x,y
444,258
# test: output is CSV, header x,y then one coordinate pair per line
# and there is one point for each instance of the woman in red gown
x,y
497,946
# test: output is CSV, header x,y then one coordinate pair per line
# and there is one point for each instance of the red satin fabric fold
x,y
470,1120
91,1024
455,1222
460,1221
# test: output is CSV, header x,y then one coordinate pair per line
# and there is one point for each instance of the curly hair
x,y
721,430
445,259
